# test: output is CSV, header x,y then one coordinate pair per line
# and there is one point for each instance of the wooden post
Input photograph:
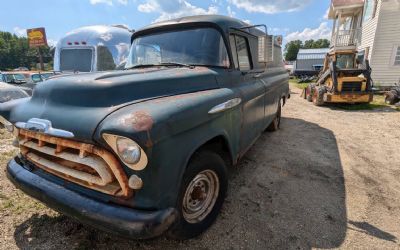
x,y
40,59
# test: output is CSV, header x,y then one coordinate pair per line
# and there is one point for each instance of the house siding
x,y
387,37
369,31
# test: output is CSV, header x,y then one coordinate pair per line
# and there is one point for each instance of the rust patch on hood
x,y
139,120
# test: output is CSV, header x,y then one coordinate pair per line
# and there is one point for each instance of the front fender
x,y
169,130
7,107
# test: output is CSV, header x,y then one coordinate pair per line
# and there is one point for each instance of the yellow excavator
x,y
343,79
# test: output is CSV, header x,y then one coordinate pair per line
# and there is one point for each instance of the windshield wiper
x,y
141,66
176,64
161,64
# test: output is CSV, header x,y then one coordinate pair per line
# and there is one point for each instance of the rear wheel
x,y
391,97
275,124
318,96
201,196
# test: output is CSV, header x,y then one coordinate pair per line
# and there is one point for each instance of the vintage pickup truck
x,y
146,150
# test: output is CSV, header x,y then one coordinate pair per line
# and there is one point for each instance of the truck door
x,y
252,92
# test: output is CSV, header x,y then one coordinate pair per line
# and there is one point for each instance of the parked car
x,y
146,150
34,77
13,77
9,92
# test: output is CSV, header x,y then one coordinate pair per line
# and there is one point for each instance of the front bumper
x,y
127,222
357,97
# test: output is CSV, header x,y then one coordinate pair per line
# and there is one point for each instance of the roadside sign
x,y
37,37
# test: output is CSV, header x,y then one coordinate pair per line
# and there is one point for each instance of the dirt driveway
x,y
329,178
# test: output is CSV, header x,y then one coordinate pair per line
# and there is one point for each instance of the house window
x,y
369,9
396,56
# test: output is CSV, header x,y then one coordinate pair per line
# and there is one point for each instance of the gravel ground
x,y
330,178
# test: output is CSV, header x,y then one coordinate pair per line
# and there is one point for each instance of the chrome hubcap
x,y
200,196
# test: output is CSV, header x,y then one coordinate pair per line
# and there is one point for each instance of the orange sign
x,y
37,37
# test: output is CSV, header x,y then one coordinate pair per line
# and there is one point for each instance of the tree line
x,y
293,47
15,52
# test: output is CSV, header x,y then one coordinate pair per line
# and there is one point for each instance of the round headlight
x,y
128,150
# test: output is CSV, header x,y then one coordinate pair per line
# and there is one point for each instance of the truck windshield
x,y
76,60
201,46
345,61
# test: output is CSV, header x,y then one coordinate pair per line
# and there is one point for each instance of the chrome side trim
x,y
225,106
43,126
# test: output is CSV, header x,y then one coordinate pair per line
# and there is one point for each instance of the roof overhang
x,y
344,6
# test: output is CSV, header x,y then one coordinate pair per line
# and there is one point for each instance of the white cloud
x,y
323,31
19,31
52,42
109,2
326,14
247,21
231,13
270,6
174,9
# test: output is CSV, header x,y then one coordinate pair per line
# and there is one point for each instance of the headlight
x,y
128,150
130,153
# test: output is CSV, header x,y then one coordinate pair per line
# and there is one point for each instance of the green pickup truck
x,y
146,150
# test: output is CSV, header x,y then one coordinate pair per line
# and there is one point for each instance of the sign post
x,y
37,38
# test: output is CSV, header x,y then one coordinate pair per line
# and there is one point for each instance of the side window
x,y
36,78
234,54
369,9
396,56
242,49
241,55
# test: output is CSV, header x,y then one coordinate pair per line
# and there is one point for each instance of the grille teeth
x,y
351,86
81,163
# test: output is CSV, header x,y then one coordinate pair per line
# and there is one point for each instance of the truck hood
x,y
78,103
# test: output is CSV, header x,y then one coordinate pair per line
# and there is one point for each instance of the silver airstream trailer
x,y
93,48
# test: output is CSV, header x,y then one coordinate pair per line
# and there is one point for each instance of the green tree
x,y
15,52
292,47
291,50
321,43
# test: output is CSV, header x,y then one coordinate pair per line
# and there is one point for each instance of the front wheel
x,y
201,196
276,123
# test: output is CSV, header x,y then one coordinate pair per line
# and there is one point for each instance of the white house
x,y
373,27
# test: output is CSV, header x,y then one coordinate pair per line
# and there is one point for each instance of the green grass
x,y
377,103
295,83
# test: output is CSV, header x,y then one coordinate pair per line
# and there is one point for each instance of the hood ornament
x,y
43,126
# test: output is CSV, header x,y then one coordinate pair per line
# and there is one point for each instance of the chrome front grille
x,y
81,163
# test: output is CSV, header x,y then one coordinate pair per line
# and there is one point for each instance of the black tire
x,y
203,161
309,91
276,123
318,96
391,97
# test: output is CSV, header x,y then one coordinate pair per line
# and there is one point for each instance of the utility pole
x,y
40,59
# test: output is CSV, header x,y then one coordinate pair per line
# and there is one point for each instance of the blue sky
x,y
294,19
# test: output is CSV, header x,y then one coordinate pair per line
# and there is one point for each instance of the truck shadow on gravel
x,y
287,192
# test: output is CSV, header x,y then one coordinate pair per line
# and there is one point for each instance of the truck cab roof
x,y
222,22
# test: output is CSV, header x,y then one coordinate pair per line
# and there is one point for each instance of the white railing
x,y
343,38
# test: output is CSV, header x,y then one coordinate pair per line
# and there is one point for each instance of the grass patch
x,y
377,103
298,85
